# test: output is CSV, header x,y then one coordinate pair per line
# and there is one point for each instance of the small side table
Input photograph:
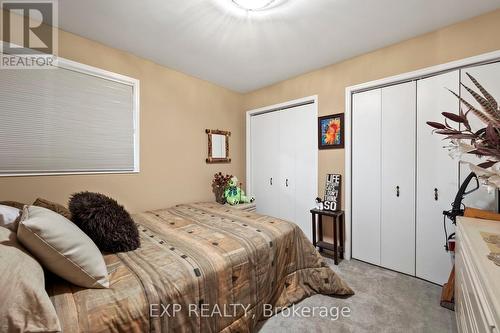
x,y
247,207
338,232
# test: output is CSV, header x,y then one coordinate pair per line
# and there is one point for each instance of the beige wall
x,y
469,38
175,110
476,36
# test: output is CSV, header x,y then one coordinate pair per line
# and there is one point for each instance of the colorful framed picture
x,y
331,131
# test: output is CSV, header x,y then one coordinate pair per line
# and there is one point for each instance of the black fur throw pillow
x,y
106,222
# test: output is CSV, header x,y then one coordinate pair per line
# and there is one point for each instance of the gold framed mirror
x,y
218,146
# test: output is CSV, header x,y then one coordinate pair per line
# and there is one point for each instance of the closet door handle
x,y
286,182
436,195
271,181
397,191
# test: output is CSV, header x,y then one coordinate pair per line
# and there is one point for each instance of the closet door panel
x,y
265,162
366,131
397,235
306,166
489,77
287,155
437,177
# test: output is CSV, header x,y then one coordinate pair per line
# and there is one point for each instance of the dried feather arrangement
x,y
483,142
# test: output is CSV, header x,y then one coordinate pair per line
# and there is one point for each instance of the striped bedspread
x,y
201,268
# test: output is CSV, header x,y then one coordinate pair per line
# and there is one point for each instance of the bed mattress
x,y
201,267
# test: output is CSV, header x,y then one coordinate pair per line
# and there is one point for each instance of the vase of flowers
x,y
483,142
219,185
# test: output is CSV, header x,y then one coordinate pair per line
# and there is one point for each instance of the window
x,y
67,120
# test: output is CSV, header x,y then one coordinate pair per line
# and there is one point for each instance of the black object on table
x,y
338,232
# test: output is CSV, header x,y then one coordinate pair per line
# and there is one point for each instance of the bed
x,y
201,267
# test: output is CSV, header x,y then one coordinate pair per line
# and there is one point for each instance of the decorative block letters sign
x,y
332,192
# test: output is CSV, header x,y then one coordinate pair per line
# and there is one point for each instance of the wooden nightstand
x,y
338,236
247,207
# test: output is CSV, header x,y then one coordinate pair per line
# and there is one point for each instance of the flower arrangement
x,y
219,185
483,142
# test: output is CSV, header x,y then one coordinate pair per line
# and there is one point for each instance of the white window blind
x,y
67,120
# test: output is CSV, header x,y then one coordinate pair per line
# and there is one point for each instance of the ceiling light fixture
x,y
253,5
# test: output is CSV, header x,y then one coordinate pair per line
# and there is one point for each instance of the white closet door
x,y
489,77
306,165
366,132
286,154
265,162
437,177
397,235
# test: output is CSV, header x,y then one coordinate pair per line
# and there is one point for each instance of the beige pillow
x,y
24,303
53,206
62,247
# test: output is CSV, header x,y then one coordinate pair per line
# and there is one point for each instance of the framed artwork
x,y
218,146
331,131
332,192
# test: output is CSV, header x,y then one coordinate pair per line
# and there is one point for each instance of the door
x,y
489,77
286,155
397,233
305,181
284,164
264,135
366,137
437,177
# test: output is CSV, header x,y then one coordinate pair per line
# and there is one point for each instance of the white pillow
x,y
62,247
8,217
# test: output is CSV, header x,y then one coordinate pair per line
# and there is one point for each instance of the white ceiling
x,y
215,41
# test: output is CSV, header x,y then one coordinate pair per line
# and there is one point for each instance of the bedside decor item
x,y
331,131
492,240
219,185
106,222
483,142
319,203
332,192
234,195
218,146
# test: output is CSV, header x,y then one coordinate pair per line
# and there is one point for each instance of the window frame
x,y
107,75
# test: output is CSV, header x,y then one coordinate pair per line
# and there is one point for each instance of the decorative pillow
x,y
62,247
14,204
9,217
105,221
55,207
25,305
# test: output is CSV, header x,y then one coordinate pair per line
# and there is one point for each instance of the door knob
x,y
436,195
286,182
397,191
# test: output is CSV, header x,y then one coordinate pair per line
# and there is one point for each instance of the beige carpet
x,y
385,301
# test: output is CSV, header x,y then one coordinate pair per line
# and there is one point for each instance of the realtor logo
x,y
29,39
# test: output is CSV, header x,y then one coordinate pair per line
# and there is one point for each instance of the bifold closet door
x,y
489,77
366,135
286,156
297,157
437,177
305,182
284,163
397,223
265,162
